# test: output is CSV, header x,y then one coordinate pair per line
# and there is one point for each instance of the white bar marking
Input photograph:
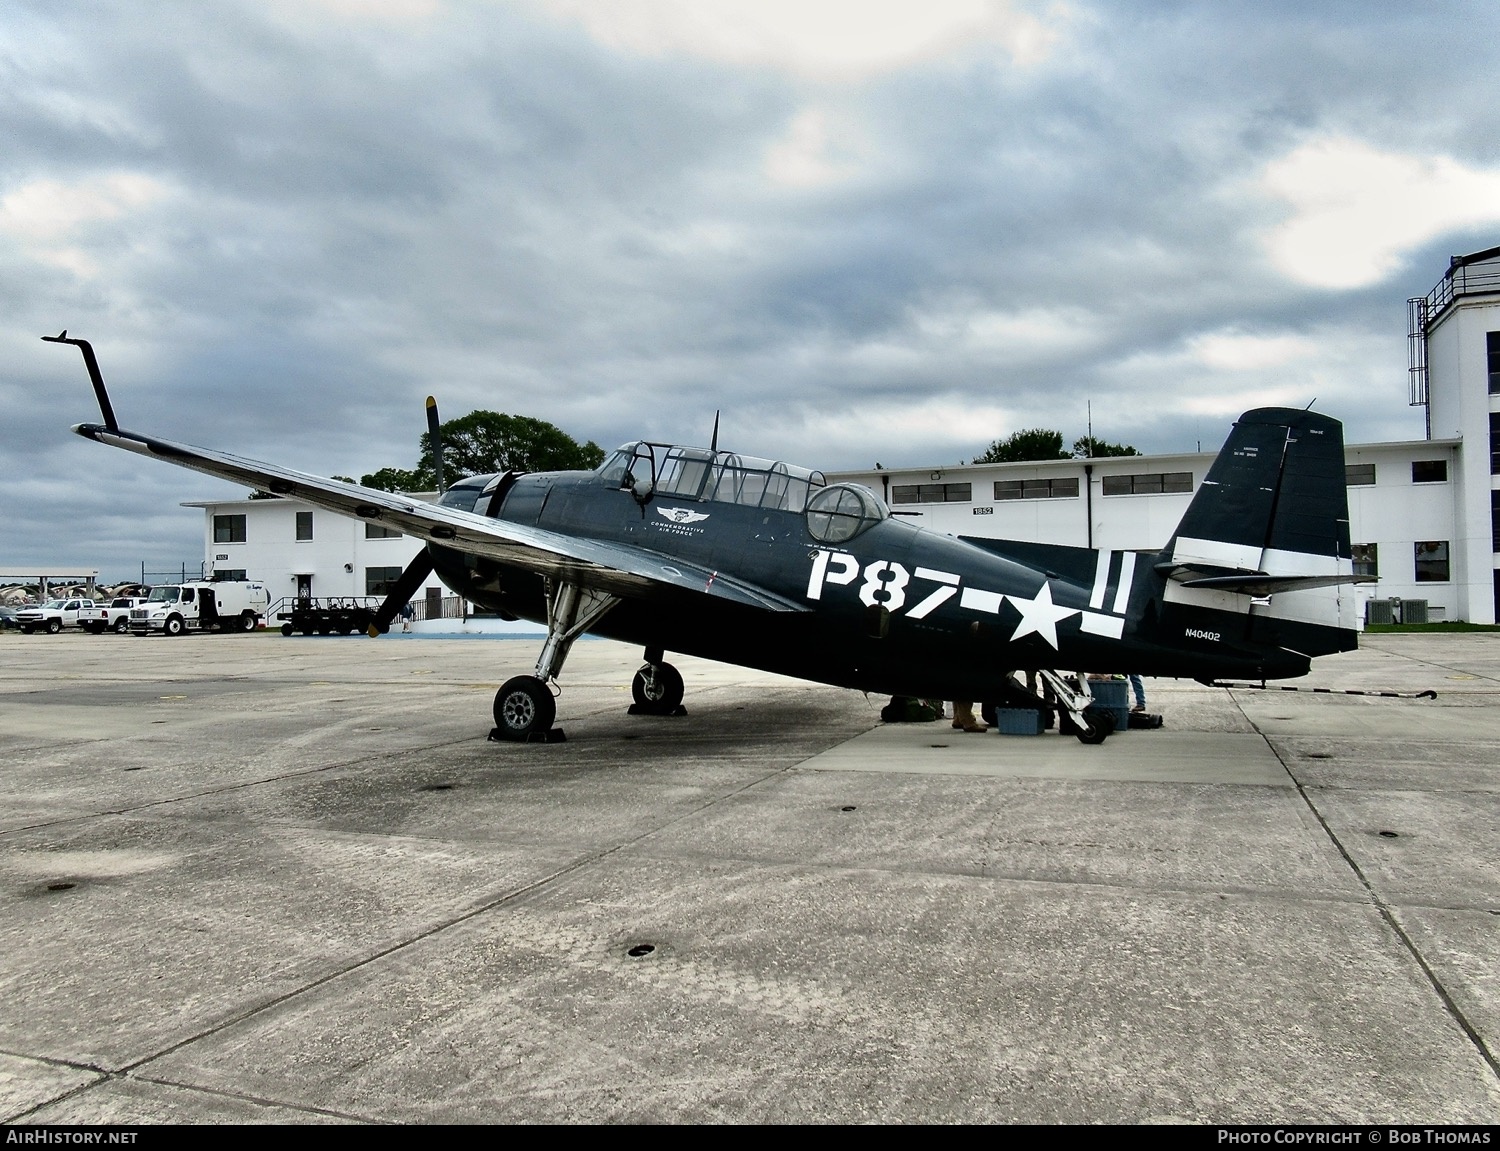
x,y
977,600
1127,577
1101,578
1111,626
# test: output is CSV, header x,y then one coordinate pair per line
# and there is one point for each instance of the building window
x,y
229,529
1495,443
1432,561
224,575
1036,489
1492,339
380,581
1359,475
1366,560
932,493
1429,471
304,525
1495,521
1148,483
380,532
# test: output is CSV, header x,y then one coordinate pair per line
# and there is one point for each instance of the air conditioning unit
x,y
1378,611
1414,611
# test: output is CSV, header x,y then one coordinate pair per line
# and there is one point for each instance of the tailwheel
x,y
657,689
524,708
1097,726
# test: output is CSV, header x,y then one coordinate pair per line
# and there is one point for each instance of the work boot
x,y
963,717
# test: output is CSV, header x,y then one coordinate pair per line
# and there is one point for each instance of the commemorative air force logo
x,y
682,515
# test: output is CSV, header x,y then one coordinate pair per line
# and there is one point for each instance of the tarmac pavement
x,y
257,879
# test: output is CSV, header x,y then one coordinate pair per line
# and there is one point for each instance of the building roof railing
x,y
1476,274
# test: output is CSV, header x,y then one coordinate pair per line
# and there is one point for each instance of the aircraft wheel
x,y
122,625
663,695
54,626
524,707
174,625
1098,728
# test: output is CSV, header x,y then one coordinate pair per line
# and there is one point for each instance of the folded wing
x,y
617,568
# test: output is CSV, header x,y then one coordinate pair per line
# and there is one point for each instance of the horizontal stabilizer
x,y
1260,583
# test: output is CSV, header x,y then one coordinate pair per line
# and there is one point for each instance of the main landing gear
x,y
524,705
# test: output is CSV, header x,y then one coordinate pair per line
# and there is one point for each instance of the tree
x,y
1087,447
483,442
1030,444
401,480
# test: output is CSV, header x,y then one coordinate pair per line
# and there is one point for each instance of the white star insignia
x,y
1040,615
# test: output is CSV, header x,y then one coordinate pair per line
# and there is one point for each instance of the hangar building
x,y
1424,514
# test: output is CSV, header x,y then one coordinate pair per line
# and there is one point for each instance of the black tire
x,y
173,626
523,708
54,626
664,695
247,621
122,625
1100,724
287,629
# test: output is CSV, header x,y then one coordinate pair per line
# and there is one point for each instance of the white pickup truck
x,y
52,616
114,616
230,605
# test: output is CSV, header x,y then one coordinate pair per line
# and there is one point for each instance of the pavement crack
x,y
1454,1011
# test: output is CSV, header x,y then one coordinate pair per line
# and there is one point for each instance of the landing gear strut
x,y
524,705
1093,725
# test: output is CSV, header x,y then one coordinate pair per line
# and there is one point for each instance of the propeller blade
x,y
400,595
435,438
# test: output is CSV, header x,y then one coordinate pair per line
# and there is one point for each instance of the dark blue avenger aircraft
x,y
765,565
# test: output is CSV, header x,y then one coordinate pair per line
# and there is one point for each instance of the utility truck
x,y
201,605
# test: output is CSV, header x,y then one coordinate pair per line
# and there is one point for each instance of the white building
x,y
298,550
1455,370
1402,508
1424,514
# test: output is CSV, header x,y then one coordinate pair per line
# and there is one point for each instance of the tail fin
x,y
1266,537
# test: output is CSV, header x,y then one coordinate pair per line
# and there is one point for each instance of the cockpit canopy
x,y
834,514
701,474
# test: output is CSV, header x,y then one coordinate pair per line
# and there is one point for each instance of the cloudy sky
x,y
866,229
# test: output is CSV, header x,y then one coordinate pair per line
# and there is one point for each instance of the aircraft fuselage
x,y
895,610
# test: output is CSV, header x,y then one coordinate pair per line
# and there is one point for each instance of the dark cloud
x,y
283,227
